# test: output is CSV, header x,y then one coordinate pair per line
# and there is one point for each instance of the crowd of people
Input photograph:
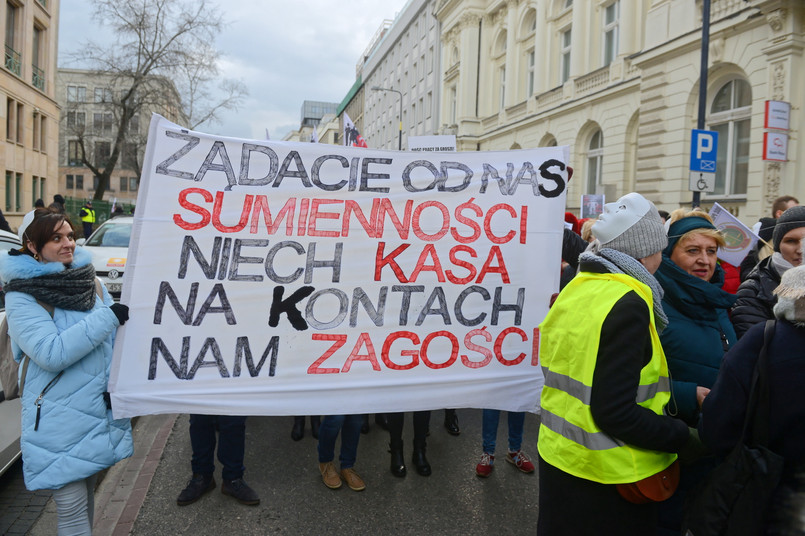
x,y
655,383
651,380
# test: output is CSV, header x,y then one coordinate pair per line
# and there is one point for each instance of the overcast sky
x,y
284,51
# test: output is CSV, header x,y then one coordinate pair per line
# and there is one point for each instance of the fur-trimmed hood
x,y
26,267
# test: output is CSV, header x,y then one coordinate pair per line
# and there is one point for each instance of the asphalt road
x,y
294,501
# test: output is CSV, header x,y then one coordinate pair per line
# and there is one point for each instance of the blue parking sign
x,y
703,151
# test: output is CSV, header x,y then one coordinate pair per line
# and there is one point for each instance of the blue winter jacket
x,y
76,435
698,334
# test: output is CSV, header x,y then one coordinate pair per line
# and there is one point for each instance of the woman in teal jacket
x,y
698,334
61,327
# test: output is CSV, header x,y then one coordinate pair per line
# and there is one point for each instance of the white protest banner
x,y
739,238
275,278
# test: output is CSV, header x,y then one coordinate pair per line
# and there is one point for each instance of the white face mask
x,y
619,216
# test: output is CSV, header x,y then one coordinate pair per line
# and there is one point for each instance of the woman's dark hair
x,y
41,229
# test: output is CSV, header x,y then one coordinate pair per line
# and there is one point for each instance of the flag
x,y
739,238
351,135
314,138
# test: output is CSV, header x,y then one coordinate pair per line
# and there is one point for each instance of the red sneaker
x,y
485,466
521,461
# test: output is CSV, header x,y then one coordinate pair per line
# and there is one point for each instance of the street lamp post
x,y
378,88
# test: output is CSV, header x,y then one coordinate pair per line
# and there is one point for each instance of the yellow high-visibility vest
x,y
569,438
90,215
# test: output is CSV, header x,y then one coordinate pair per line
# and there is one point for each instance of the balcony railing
x,y
13,61
38,79
44,3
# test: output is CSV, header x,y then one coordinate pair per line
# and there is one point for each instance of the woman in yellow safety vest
x,y
606,382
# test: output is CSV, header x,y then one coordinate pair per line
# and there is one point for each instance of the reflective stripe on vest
x,y
569,438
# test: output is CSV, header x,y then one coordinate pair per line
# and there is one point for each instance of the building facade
x,y
618,81
405,63
89,123
31,118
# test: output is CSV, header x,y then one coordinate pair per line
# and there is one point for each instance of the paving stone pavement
x,y
138,496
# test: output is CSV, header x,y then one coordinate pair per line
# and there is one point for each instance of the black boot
x,y
365,424
382,421
451,422
419,460
315,422
298,430
397,459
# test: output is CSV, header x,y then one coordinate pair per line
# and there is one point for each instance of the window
x,y
95,183
13,56
11,119
18,191
79,182
14,120
9,189
502,81
595,155
453,104
102,123
530,64
76,120
611,16
103,94
564,73
134,125
73,153
37,59
730,117
129,156
102,151
133,183
36,136
124,184
76,94
429,104
70,183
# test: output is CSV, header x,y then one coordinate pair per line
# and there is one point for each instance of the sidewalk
x,y
122,491
138,496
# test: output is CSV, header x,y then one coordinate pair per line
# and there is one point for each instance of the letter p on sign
x,y
703,151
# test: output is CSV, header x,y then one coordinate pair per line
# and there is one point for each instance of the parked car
x,y
109,246
9,409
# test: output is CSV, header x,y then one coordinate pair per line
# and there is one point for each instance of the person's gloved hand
x,y
121,312
693,449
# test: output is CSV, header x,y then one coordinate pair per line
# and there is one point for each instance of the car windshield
x,y
111,235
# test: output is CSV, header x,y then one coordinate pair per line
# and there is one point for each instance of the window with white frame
x,y
453,104
76,94
730,113
502,81
595,156
611,18
564,72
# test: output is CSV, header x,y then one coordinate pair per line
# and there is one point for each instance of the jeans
x,y
75,504
231,444
350,428
490,429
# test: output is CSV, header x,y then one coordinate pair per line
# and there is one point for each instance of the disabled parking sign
x,y
703,157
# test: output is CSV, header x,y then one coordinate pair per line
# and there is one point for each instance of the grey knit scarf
x,y
620,263
72,289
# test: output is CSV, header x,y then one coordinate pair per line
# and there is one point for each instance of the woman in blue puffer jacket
x,y
65,331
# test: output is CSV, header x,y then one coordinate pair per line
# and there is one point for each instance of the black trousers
x,y
421,426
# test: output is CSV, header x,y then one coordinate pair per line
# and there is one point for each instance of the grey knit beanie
x,y
792,218
643,238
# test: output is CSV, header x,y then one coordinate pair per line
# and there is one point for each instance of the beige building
x,y
618,81
89,115
31,118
